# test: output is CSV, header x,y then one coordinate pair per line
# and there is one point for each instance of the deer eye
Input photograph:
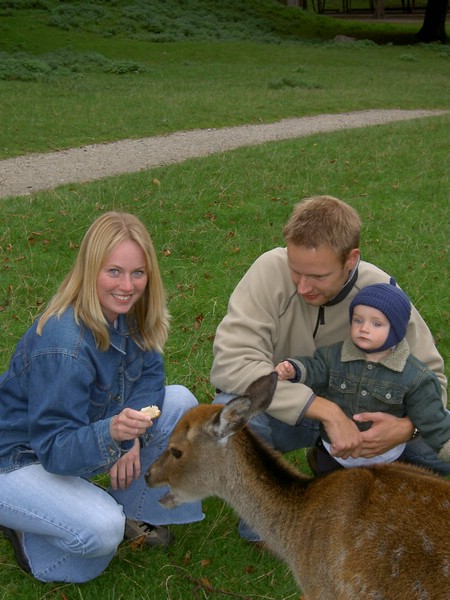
x,y
176,453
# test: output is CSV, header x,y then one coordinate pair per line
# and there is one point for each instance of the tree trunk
x,y
433,28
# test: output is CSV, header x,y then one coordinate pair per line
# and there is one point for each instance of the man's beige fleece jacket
x,y
268,321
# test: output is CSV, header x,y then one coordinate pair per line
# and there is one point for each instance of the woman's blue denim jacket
x,y
60,392
399,384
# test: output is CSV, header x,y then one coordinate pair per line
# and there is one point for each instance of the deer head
x,y
191,464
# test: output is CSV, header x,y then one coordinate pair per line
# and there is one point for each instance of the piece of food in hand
x,y
152,410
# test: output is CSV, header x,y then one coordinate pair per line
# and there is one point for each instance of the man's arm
x,y
421,344
385,433
257,332
345,437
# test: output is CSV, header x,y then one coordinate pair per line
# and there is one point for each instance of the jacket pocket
x,y
100,400
342,384
133,367
387,394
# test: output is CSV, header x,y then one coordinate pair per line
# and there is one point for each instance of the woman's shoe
x,y
15,538
151,535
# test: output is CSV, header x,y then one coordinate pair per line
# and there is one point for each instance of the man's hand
x,y
385,433
126,469
345,438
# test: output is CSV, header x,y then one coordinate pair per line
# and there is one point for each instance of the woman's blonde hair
x,y
148,320
324,221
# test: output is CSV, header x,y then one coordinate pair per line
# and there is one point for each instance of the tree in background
x,y
433,27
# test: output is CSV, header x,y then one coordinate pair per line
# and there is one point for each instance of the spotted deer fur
x,y
378,533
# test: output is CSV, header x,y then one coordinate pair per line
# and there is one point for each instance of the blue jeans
x,y
418,452
286,438
72,527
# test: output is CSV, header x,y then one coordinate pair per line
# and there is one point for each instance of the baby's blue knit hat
x,y
393,303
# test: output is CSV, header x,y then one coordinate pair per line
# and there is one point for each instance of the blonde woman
x,y
70,408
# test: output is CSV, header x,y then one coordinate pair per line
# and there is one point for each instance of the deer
x,y
364,533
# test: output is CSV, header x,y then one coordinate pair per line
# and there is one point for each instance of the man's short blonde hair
x,y
324,221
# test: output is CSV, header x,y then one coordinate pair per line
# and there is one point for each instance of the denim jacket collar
x,y
118,333
395,360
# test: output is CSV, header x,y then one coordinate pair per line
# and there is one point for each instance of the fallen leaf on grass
x,y
205,562
198,321
138,543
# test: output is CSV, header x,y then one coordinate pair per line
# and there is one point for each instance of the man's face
x,y
318,273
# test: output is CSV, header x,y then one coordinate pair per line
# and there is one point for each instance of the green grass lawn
x,y
210,218
77,85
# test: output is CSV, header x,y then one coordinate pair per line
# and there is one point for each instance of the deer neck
x,y
258,484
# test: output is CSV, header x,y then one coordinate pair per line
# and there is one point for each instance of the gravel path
x,y
36,172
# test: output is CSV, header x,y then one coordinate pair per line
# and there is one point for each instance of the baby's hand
x,y
285,370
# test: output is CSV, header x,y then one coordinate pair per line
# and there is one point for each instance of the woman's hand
x,y
129,424
126,469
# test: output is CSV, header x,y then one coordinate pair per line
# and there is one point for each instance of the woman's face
x,y
122,279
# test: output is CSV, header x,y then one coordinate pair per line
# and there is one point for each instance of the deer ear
x,y
261,392
232,417
241,409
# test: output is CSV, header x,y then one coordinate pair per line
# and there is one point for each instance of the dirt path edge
x,y
31,173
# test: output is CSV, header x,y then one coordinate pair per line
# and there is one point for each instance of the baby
x,y
373,371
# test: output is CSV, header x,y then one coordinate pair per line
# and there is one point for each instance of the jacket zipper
x,y
320,319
